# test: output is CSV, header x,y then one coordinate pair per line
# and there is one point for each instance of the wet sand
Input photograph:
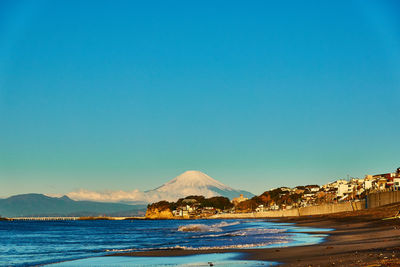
x,y
360,238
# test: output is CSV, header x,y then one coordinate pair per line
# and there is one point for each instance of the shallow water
x,y
41,242
221,260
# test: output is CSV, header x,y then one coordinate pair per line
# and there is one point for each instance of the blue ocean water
x,y
43,242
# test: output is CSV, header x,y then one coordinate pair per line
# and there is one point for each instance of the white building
x,y
314,189
368,184
260,208
344,189
396,183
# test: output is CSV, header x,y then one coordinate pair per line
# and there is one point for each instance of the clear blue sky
x,y
118,95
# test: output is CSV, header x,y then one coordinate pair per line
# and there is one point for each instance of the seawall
x,y
373,200
382,198
304,211
331,208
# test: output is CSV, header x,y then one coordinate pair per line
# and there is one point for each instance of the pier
x,y
72,218
44,218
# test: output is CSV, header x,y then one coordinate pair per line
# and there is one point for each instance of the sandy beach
x,y
360,238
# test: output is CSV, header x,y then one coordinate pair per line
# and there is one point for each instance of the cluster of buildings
x,y
191,208
356,188
193,211
239,199
337,191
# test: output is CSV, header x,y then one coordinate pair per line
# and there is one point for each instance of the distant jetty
x,y
89,218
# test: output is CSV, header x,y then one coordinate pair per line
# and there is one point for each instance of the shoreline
x,y
359,238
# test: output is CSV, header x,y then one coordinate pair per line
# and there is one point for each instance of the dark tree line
x,y
222,203
276,196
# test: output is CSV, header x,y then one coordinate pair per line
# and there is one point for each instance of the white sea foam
x,y
264,230
205,228
238,233
198,228
263,244
247,232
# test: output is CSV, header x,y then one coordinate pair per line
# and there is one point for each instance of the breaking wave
x,y
243,232
205,228
264,244
198,228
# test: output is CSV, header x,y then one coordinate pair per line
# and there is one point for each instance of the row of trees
x,y
221,203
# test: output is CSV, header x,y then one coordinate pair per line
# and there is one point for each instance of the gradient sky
x,y
119,95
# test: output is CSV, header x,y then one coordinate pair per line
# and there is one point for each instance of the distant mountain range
x,y
186,184
88,203
40,205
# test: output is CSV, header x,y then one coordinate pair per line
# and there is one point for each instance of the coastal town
x,y
282,198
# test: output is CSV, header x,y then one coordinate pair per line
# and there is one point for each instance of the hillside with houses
x,y
341,190
282,198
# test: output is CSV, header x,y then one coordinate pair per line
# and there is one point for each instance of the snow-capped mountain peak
x,y
195,179
194,183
